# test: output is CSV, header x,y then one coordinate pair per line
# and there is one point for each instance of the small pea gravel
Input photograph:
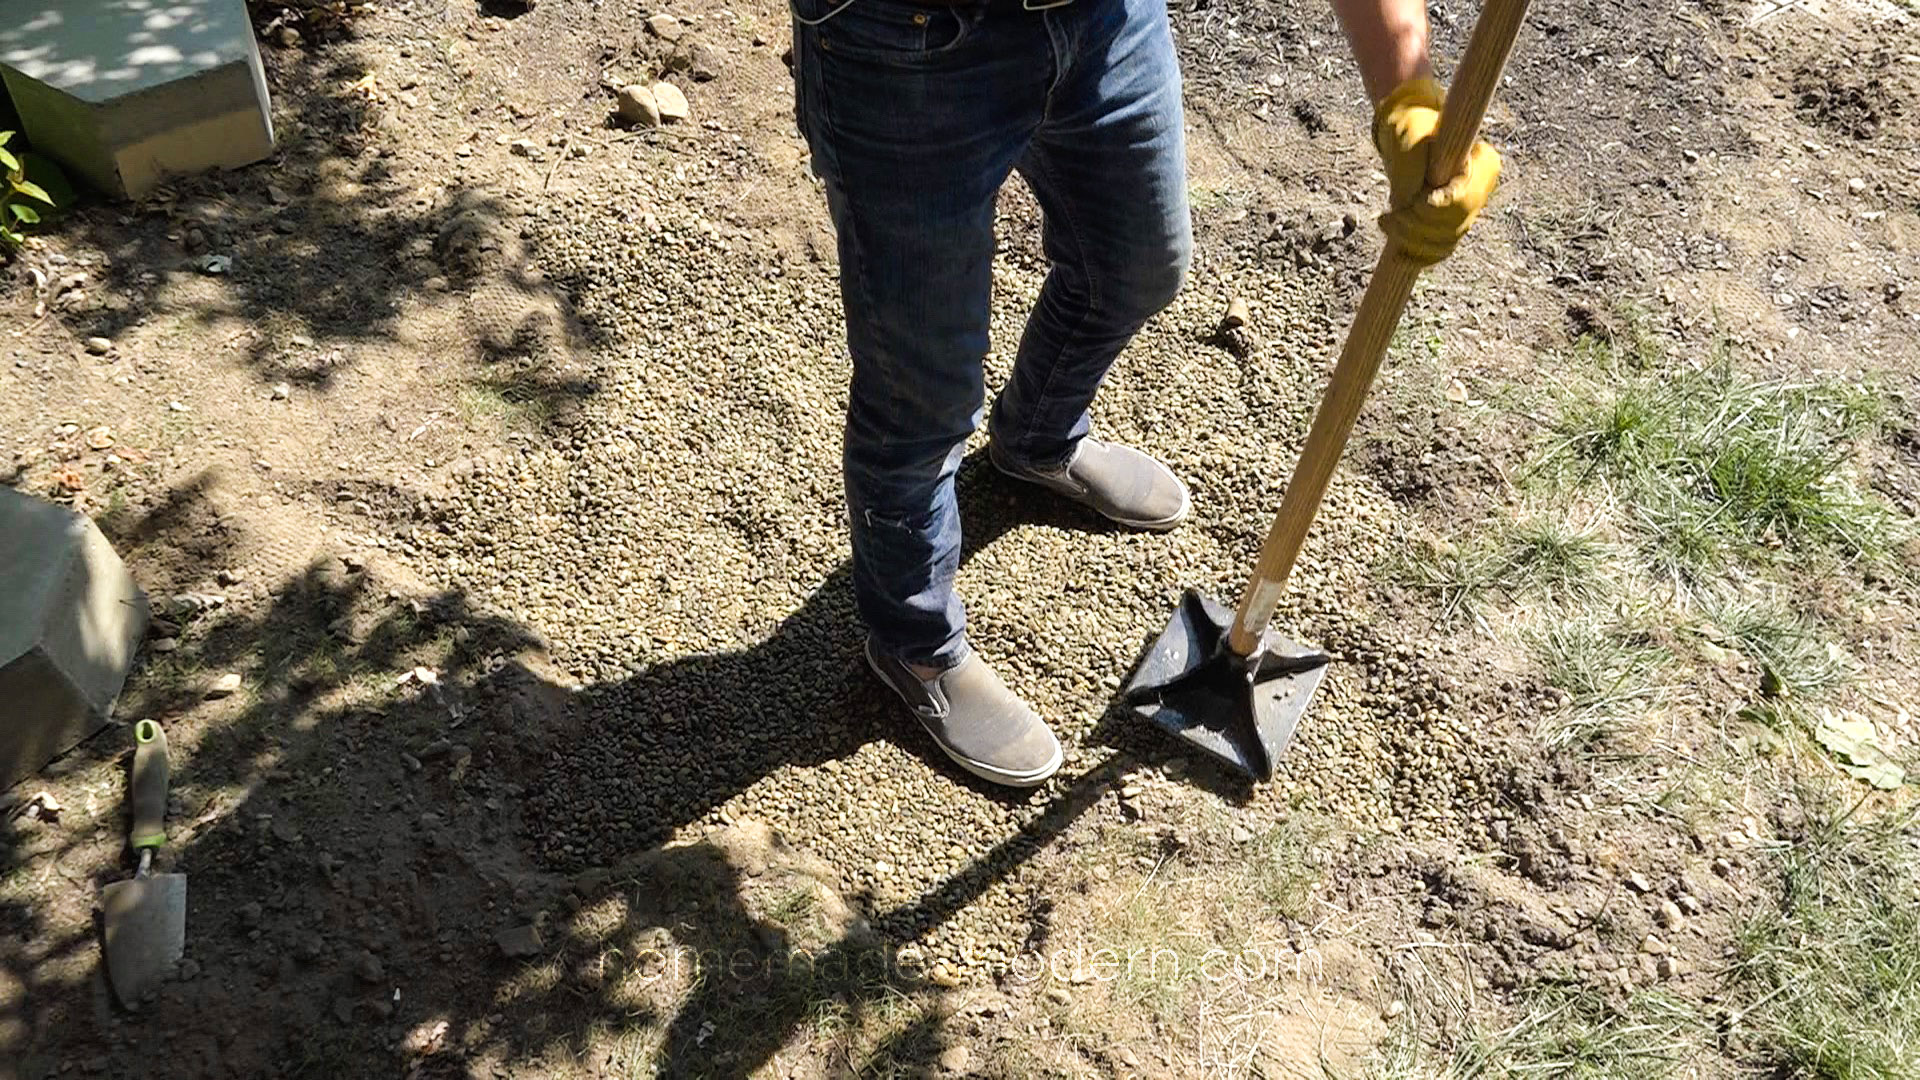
x,y
678,538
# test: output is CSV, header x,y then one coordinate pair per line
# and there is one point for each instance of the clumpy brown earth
x,y
502,468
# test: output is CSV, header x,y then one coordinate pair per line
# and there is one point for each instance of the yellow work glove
x,y
1427,222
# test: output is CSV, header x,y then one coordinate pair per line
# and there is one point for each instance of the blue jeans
x,y
916,116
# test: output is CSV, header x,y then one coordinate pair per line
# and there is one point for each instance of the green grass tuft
x,y
1829,979
1606,665
1712,463
1564,1032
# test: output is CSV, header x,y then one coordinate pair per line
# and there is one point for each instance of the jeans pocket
x,y
881,29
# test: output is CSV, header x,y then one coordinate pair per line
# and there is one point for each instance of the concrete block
x,y
70,620
123,92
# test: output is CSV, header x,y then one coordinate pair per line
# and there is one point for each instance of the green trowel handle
x,y
148,787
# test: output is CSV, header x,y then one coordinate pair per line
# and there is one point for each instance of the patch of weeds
x,y
1549,555
1581,1032
503,401
1281,872
1563,1031
1712,461
1609,667
1829,979
791,907
1542,556
1802,662
1162,956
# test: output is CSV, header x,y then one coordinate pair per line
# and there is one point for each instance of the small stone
x,y
99,346
1127,1057
1722,868
704,62
438,748
1638,882
367,967
1103,873
667,27
1237,314
637,107
672,103
412,763
224,685
1856,185
1241,834
1652,945
287,37
281,391
249,913
1131,791
1668,967
525,148
1669,914
164,645
519,942
1058,995
956,1058
1689,903
943,975
1394,1010
189,970
579,150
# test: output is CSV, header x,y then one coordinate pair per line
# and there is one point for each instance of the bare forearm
x,y
1389,39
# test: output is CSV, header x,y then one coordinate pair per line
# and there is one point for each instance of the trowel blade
x,y
146,931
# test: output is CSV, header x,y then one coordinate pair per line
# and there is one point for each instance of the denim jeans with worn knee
x,y
916,115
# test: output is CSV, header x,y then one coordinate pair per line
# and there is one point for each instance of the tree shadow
x,y
376,818
331,256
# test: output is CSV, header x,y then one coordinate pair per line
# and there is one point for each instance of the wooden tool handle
x,y
1373,327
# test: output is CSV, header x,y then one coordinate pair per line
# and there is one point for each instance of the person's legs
x,y
1108,166
915,116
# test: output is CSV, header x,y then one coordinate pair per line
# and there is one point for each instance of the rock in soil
x,y
519,942
955,1059
99,346
1669,914
672,103
667,27
224,686
637,107
704,62
367,967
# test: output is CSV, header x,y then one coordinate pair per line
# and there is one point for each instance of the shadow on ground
x,y
361,854
335,241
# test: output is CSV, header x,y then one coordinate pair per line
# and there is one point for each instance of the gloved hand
x,y
1427,222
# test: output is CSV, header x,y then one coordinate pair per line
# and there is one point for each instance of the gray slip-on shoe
x,y
980,723
1121,484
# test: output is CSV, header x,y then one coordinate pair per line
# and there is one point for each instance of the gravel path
x,y
680,543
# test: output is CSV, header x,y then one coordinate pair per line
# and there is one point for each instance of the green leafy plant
x,y
21,200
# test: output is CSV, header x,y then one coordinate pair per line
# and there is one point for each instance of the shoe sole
x,y
978,768
1165,524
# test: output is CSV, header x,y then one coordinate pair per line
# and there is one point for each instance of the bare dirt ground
x,y
501,466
